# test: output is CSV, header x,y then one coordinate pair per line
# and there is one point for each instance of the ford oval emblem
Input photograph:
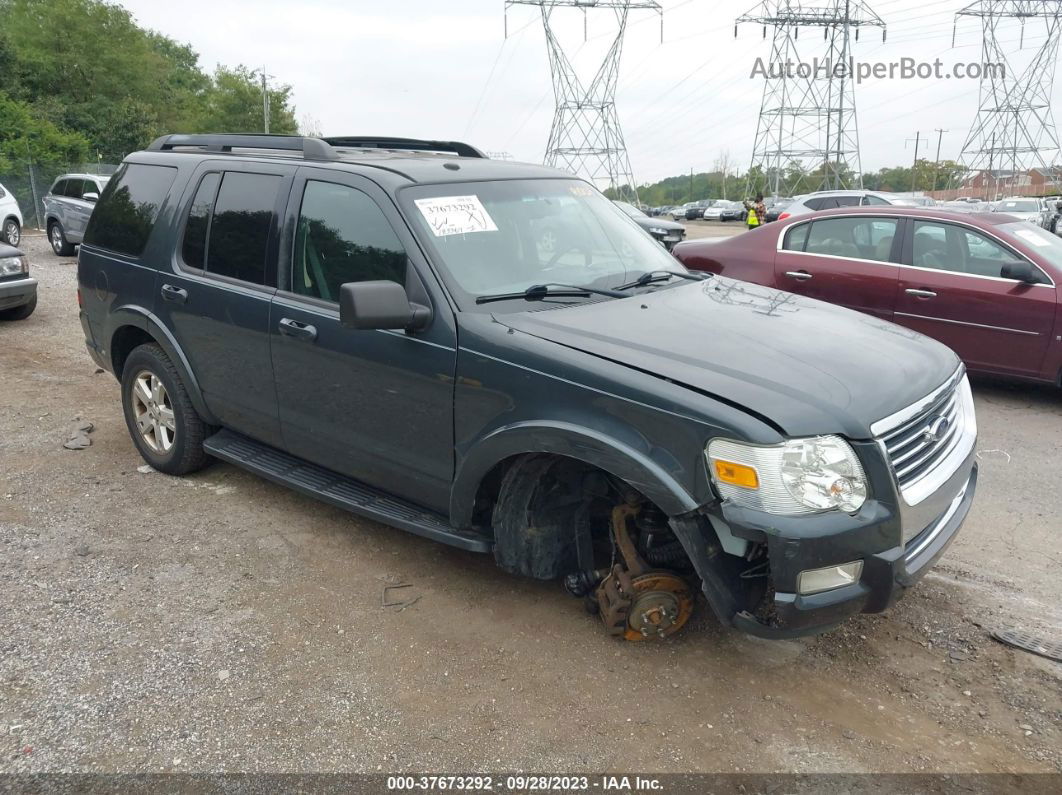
x,y
937,429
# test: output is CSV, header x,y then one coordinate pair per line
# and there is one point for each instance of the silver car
x,y
832,199
67,207
1023,207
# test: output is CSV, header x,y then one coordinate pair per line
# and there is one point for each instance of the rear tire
x,y
12,232
19,312
60,245
164,425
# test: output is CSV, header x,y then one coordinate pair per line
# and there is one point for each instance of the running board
x,y
338,490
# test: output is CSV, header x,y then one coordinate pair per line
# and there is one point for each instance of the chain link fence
x,y
29,182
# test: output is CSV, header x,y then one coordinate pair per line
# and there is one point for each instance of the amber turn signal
x,y
737,474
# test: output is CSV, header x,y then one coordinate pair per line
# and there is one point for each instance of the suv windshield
x,y
505,236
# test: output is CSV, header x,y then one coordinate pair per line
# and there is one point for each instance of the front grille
x,y
914,450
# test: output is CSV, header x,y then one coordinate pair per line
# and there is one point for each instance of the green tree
x,y
234,104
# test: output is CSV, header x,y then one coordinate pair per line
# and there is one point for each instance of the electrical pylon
x,y
586,138
807,136
1014,130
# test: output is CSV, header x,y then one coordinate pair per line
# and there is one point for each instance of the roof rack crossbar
x,y
404,144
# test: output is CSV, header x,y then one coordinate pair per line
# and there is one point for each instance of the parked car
x,y
1052,212
378,328
18,291
985,284
667,233
67,207
832,199
735,211
715,211
1021,207
776,208
10,218
678,212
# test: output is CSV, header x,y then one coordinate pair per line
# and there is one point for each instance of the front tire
x,y
12,232
60,245
160,417
19,312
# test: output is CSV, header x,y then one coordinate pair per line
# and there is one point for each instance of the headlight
x,y
656,230
820,473
13,266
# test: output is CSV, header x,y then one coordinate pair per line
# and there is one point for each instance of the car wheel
x,y
159,414
57,238
19,312
12,232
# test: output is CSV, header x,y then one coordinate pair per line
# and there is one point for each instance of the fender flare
x,y
572,441
138,316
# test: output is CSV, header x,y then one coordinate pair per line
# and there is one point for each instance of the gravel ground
x,y
221,623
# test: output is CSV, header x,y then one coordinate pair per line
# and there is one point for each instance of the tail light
x,y
783,216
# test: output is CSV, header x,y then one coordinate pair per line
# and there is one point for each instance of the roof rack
x,y
405,145
311,148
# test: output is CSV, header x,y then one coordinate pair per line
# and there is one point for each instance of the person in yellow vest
x,y
756,211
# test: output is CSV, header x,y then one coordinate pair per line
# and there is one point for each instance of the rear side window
x,y
125,214
343,236
816,203
239,229
875,200
796,237
198,226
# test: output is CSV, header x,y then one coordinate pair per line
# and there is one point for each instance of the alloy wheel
x,y
11,233
153,412
56,238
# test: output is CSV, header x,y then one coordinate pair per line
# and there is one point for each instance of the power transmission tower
x,y
807,124
586,138
1014,130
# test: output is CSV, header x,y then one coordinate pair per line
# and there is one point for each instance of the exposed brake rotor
x,y
637,603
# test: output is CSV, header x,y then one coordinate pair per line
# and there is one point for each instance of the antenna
x,y
807,133
586,138
1014,126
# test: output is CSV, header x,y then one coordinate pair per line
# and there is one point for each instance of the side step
x,y
338,490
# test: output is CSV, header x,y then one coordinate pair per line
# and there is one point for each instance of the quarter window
x,y
342,236
125,214
796,237
856,238
198,225
239,229
874,200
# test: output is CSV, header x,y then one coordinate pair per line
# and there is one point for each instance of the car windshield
x,y
631,210
507,235
1047,245
1017,207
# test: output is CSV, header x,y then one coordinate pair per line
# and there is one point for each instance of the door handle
x,y
800,276
300,331
921,293
174,294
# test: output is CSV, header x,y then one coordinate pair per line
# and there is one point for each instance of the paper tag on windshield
x,y
455,215
1031,237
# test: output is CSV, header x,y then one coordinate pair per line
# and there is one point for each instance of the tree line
x,y
83,82
923,175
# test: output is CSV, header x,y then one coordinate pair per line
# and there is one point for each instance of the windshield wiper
x,y
536,292
650,277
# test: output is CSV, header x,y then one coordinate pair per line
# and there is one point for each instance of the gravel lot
x,y
221,623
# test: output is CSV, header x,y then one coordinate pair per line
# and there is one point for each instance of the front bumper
x,y
17,292
869,535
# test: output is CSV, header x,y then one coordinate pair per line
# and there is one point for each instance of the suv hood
x,y
806,366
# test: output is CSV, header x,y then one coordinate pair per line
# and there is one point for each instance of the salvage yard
x,y
219,622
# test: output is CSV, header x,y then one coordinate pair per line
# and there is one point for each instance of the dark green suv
x,y
377,323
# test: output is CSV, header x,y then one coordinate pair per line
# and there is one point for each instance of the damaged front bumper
x,y
796,544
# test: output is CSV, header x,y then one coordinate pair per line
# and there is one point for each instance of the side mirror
x,y
380,305
91,197
1019,271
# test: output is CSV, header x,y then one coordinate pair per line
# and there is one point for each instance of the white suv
x,y
10,218
832,199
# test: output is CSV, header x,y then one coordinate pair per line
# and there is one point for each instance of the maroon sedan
x,y
983,284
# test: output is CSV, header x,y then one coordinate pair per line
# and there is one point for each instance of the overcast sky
x,y
431,69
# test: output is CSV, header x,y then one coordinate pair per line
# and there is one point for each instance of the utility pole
x,y
265,101
691,185
914,166
936,166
